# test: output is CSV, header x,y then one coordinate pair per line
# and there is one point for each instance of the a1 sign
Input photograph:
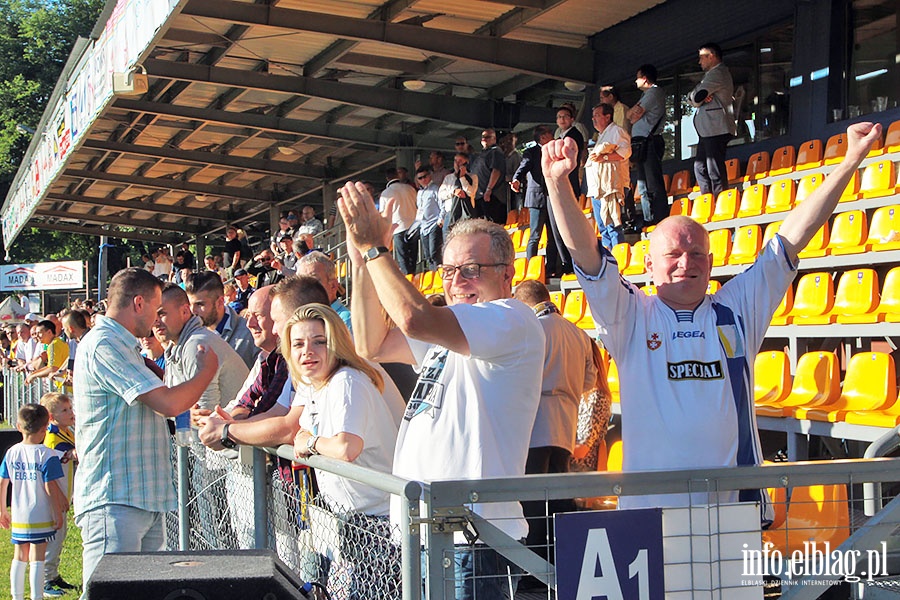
x,y
610,555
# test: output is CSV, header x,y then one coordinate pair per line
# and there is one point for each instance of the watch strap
x,y
375,252
227,441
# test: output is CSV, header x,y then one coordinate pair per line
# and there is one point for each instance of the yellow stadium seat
x,y
612,378
681,183
713,286
817,381
889,307
856,298
781,196
870,383
649,289
416,280
438,286
813,300
771,229
818,245
753,200
621,252
536,269
883,417
782,161
771,377
720,246
757,166
892,138
884,233
680,206
726,205
702,208
542,242
522,246
851,192
878,179
614,457
809,155
426,281
636,259
849,233
519,265
559,299
835,149
807,185
733,170
816,515
574,306
515,236
779,505
587,320
747,242
512,218
782,313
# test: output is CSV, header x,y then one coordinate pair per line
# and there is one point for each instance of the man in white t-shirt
x,y
479,361
685,358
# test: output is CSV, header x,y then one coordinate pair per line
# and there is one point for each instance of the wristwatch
x,y
226,441
374,252
311,444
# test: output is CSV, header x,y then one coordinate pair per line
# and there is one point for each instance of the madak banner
x,y
66,275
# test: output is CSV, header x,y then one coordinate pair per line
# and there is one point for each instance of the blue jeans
x,y
610,235
481,573
537,222
117,528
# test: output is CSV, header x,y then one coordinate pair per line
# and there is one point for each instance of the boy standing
x,y
60,437
37,501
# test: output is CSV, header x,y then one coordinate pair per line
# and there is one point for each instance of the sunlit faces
x,y
679,262
600,119
706,59
564,119
209,307
259,321
493,282
323,274
279,316
145,308
171,317
309,352
64,414
488,138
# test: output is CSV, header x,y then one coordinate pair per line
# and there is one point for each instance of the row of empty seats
x,y
849,233
868,395
787,159
878,179
430,282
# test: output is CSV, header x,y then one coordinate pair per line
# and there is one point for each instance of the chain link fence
x,y
354,556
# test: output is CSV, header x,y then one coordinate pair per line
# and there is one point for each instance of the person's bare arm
x,y
172,401
803,221
413,315
558,158
272,428
343,446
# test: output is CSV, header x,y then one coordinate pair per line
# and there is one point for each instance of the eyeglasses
x,y
292,217
466,271
422,177
487,136
460,143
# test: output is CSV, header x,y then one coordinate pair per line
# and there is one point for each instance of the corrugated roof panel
x,y
357,9
474,11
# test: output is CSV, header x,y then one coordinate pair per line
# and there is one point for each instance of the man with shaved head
x,y
685,358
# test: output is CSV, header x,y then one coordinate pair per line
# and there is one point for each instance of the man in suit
x,y
529,172
714,119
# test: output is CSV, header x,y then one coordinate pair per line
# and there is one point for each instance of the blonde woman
x,y
347,416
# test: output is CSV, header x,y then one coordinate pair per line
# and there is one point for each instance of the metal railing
x,y
239,500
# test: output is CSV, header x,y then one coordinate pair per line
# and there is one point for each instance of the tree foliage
x,y
36,37
39,245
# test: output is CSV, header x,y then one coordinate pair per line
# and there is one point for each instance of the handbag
x,y
640,144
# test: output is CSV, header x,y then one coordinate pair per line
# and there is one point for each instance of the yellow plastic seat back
x,y
753,200
746,245
681,183
782,161
884,233
771,377
574,306
807,185
720,246
733,170
702,208
781,196
757,166
809,155
849,233
817,382
878,179
835,149
536,268
636,259
621,252
726,205
814,296
856,295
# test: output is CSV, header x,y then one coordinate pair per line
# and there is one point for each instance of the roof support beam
x,y
177,211
123,235
555,62
125,222
211,158
344,133
448,109
155,183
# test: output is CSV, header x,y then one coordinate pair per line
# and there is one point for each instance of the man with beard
x,y
206,294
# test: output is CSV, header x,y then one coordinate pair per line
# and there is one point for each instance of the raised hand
x,y
558,158
860,137
366,227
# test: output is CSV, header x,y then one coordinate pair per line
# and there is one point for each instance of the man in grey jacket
x,y
714,119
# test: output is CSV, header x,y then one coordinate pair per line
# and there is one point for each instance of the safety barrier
x,y
830,525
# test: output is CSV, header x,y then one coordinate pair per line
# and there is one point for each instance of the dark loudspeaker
x,y
220,575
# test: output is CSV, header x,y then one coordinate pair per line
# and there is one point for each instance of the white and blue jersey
x,y
686,376
28,467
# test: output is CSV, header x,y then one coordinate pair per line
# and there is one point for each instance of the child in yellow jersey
x,y
60,437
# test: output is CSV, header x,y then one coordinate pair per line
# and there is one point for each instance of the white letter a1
x,y
597,549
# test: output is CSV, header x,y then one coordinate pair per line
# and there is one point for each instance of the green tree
x,y
39,245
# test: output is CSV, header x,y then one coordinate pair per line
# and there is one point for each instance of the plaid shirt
x,y
265,389
123,446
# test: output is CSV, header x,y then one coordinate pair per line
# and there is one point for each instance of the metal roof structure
x,y
253,107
